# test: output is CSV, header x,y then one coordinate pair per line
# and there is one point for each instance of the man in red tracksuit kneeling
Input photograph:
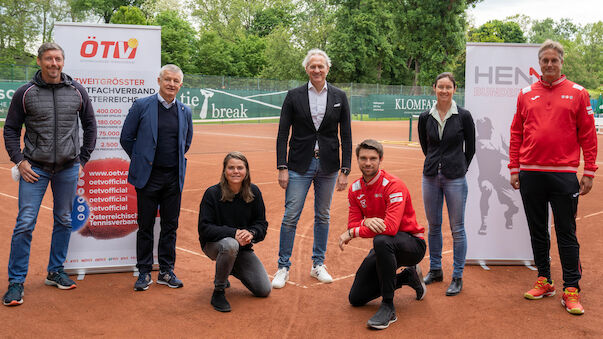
x,y
381,208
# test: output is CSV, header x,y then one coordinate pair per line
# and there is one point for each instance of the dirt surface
x,y
490,305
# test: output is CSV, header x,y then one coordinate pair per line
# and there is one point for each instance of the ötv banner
x,y
116,64
495,223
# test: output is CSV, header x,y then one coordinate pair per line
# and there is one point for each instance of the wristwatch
x,y
345,171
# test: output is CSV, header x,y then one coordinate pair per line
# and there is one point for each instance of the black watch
x,y
345,171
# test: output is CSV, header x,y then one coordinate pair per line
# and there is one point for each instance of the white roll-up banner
x,y
495,222
116,64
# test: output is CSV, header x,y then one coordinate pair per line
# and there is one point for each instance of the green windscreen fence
x,y
223,99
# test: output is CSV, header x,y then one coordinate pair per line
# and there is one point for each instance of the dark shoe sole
x,y
432,280
161,282
13,303
452,294
381,326
219,309
62,287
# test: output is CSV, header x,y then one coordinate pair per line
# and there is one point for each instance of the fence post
x,y
410,129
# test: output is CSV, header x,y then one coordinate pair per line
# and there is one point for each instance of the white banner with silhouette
x,y
116,64
495,222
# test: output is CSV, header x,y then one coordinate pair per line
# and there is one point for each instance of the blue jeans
x,y
435,189
63,185
295,196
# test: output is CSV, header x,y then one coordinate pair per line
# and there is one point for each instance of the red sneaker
x,y
542,288
571,301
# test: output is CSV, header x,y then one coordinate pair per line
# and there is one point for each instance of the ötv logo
x,y
109,49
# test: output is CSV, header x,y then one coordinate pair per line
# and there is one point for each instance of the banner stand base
x,y
529,264
500,262
82,271
484,266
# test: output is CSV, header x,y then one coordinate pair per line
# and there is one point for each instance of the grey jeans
x,y
243,265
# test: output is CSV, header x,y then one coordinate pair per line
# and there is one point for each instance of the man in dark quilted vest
x,y
50,106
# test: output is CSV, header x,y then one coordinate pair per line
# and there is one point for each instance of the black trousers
x,y
163,191
561,191
376,276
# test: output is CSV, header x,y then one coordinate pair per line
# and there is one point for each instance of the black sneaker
x,y
170,279
143,282
219,302
14,295
384,316
59,279
415,280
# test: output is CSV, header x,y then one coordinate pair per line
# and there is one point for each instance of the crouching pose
x,y
233,217
380,208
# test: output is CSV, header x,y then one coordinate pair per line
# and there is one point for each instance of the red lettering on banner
x,y
120,49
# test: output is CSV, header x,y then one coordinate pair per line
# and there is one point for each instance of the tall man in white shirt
x,y
314,113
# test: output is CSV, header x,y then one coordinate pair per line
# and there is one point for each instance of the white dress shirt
x,y
318,105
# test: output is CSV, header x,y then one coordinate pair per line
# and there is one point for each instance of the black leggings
x,y
376,276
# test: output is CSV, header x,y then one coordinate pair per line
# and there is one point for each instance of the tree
x,y
432,35
563,30
362,42
47,13
283,58
178,42
248,56
497,31
18,29
102,8
583,57
129,15
229,18
213,56
315,24
267,20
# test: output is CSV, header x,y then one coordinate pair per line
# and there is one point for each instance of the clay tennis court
x,y
491,304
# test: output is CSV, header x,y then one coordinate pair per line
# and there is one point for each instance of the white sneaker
x,y
280,278
320,272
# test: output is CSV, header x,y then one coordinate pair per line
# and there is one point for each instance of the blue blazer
x,y
139,138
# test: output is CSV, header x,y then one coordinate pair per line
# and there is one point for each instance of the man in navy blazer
x,y
156,134
314,113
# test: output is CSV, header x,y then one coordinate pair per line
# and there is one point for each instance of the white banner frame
x,y
495,222
116,64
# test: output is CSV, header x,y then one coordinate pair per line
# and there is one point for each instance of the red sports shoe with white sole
x,y
542,288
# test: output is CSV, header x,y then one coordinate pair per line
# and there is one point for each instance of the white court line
x,y
592,215
244,98
236,135
191,252
265,94
13,197
255,183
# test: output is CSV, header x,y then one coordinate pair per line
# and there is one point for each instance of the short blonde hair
x,y
550,44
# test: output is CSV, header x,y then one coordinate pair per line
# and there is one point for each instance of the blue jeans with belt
x,y
295,197
63,184
435,189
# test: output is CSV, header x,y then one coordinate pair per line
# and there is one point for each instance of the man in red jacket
x,y
553,121
381,208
